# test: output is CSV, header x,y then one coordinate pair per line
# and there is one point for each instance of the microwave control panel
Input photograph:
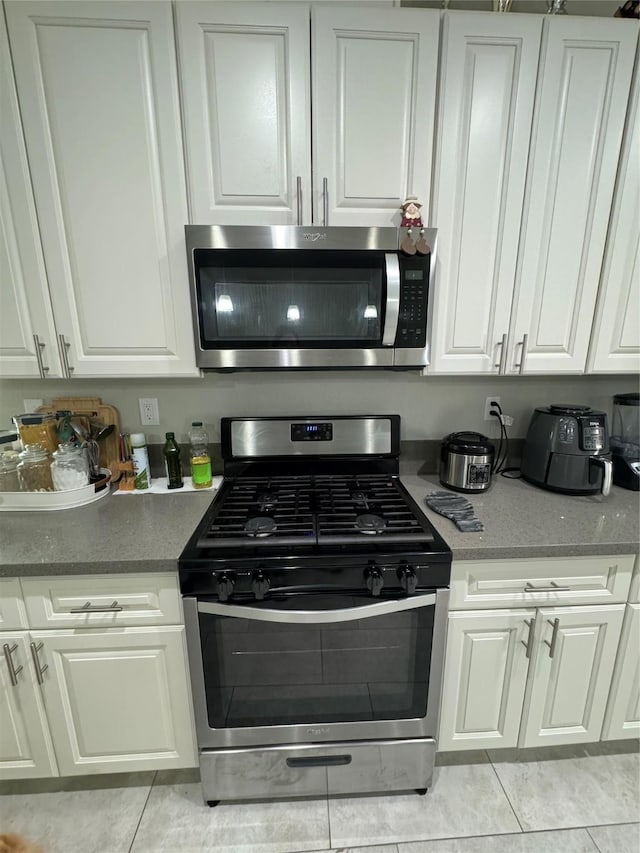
x,y
414,289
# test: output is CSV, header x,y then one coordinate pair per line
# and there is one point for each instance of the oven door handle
x,y
393,300
312,617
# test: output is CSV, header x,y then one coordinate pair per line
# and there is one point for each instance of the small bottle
x,y
171,453
141,469
200,459
70,467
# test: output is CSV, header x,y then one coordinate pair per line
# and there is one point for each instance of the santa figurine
x,y
411,218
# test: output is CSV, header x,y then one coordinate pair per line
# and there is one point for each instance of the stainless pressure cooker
x,y
466,461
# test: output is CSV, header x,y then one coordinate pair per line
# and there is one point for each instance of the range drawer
x,y
534,582
92,601
12,613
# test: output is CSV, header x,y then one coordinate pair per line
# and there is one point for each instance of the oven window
x,y
263,673
286,298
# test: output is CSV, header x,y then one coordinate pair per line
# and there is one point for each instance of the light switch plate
x,y
32,404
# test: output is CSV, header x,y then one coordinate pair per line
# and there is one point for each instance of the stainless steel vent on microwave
x,y
285,297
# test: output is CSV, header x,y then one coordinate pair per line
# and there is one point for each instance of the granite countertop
x,y
139,533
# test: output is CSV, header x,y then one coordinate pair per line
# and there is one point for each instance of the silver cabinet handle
x,y
554,636
503,349
88,607
39,347
529,644
523,353
553,587
325,201
299,198
36,662
64,346
13,670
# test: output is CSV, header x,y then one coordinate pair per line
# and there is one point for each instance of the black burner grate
x,y
309,510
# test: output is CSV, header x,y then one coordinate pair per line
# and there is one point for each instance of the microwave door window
x,y
321,302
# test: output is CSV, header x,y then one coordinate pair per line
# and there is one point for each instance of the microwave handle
x,y
318,617
392,310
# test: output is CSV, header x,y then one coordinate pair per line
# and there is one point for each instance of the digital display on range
x,y
312,432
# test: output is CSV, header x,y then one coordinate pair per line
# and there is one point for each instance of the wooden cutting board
x,y
93,407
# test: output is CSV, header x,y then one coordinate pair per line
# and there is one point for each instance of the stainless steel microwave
x,y
287,297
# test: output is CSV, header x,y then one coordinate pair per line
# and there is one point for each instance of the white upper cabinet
x,y
615,342
245,77
374,89
527,153
28,340
585,75
249,75
487,89
98,94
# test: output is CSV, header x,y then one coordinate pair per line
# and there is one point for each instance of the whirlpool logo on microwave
x,y
314,236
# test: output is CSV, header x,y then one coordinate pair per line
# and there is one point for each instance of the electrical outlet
x,y
32,405
149,413
487,407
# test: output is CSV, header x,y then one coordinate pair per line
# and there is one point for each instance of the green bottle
x,y
171,453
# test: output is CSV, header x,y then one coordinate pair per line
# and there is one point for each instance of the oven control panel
x,y
321,431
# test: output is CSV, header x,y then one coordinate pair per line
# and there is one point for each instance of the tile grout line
x,y
515,814
593,841
142,811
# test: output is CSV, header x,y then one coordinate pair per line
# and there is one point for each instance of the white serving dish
x,y
29,501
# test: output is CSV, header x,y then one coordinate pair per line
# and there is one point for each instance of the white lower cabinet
x,y
622,719
103,699
26,751
540,675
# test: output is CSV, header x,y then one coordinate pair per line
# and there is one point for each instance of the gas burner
x,y
360,499
260,526
370,523
266,500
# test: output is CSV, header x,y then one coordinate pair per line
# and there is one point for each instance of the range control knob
x,y
260,584
225,586
374,580
408,578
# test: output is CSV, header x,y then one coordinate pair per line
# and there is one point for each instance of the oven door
x,y
315,667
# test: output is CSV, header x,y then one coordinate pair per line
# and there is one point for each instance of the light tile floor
x,y
582,799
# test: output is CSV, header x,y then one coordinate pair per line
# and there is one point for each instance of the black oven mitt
x,y
456,508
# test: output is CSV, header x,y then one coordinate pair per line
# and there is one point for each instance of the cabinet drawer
x,y
91,601
634,590
12,612
531,583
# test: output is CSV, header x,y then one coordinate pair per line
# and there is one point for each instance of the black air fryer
x,y
567,450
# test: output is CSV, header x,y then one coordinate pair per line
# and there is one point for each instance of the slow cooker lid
x,y
468,442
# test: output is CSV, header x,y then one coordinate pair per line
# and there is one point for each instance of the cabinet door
x,y
484,679
487,86
244,73
26,751
117,700
571,674
28,342
98,93
374,82
622,718
585,75
615,342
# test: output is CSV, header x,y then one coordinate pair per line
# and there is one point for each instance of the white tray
x,y
30,501
159,487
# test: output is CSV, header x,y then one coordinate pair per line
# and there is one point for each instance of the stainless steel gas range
x,y
315,596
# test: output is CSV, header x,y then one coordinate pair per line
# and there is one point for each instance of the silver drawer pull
x,y
88,607
554,636
553,587
13,670
36,662
528,645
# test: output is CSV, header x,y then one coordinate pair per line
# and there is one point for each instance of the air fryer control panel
x,y
588,431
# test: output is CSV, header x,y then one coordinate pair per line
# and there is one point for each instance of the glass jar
x,y
34,469
70,467
9,481
37,429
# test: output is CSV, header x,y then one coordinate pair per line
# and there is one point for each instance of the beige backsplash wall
x,y
430,407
